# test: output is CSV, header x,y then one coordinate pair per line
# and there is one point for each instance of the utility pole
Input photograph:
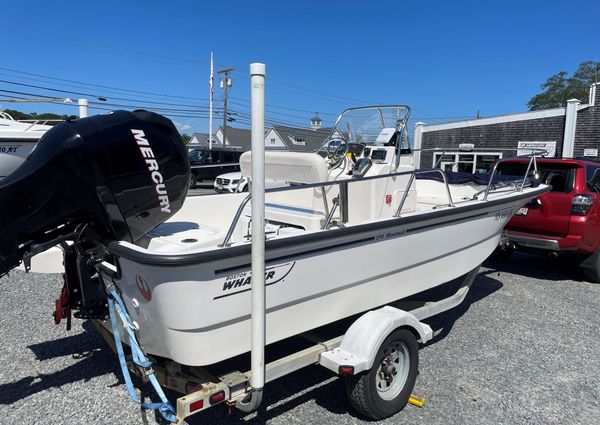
x,y
225,84
210,114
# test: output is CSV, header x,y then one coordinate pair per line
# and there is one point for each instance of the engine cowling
x,y
113,176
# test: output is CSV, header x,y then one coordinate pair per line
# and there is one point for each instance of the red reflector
x,y
217,397
197,405
388,199
346,370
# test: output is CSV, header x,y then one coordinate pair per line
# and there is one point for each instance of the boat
x,y
353,227
354,230
17,140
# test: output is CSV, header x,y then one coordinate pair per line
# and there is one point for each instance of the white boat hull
x,y
13,153
199,313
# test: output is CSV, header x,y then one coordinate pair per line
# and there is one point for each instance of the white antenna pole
x,y
211,81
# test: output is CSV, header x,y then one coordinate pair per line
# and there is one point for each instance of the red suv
x,y
566,219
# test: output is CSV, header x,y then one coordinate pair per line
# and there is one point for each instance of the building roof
x,y
201,137
316,118
241,137
313,139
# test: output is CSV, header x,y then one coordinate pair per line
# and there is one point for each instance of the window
x,y
592,176
197,155
299,141
560,177
476,162
485,163
272,140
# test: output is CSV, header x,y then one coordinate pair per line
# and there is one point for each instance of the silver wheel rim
x,y
392,372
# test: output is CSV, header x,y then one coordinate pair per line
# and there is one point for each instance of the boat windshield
x,y
373,125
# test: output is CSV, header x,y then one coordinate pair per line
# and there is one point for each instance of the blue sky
x,y
447,59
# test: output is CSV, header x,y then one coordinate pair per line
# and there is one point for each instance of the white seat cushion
x,y
292,167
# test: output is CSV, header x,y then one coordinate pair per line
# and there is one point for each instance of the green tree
x,y
18,115
560,87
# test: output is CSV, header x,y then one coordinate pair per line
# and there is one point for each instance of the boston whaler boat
x,y
357,228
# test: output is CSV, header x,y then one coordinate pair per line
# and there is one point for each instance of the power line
x,y
97,96
102,86
286,107
291,87
271,106
185,110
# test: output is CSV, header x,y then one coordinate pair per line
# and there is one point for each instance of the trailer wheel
x,y
385,389
193,181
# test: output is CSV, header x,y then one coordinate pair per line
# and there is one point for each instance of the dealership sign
x,y
547,149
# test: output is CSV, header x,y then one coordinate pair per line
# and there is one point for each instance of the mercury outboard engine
x,y
91,181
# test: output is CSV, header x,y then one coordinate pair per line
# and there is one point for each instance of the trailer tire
x,y
384,390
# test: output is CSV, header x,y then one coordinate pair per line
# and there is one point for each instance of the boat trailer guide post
x,y
258,319
184,279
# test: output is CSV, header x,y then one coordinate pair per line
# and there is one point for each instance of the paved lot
x,y
203,188
522,349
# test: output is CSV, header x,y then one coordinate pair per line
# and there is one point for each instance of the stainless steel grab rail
x,y
410,182
343,199
236,218
500,161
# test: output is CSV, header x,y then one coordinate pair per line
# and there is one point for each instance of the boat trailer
x,y
352,355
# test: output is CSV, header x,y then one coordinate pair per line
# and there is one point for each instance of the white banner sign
x,y
527,148
590,152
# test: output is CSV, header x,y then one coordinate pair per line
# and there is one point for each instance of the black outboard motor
x,y
107,177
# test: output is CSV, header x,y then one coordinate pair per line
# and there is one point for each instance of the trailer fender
x,y
364,337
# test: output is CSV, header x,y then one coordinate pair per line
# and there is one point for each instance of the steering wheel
x,y
336,151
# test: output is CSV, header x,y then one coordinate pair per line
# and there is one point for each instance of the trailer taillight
x,y
217,397
197,405
346,370
581,204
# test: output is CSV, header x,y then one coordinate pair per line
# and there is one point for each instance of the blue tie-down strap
x,y
139,358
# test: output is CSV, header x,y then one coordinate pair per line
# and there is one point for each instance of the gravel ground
x,y
522,349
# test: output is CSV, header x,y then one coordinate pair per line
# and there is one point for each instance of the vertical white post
x,y
417,144
83,108
257,101
210,110
570,125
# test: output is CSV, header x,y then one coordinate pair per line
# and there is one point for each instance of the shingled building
x,y
474,145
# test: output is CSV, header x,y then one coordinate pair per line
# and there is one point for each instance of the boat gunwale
x,y
186,259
